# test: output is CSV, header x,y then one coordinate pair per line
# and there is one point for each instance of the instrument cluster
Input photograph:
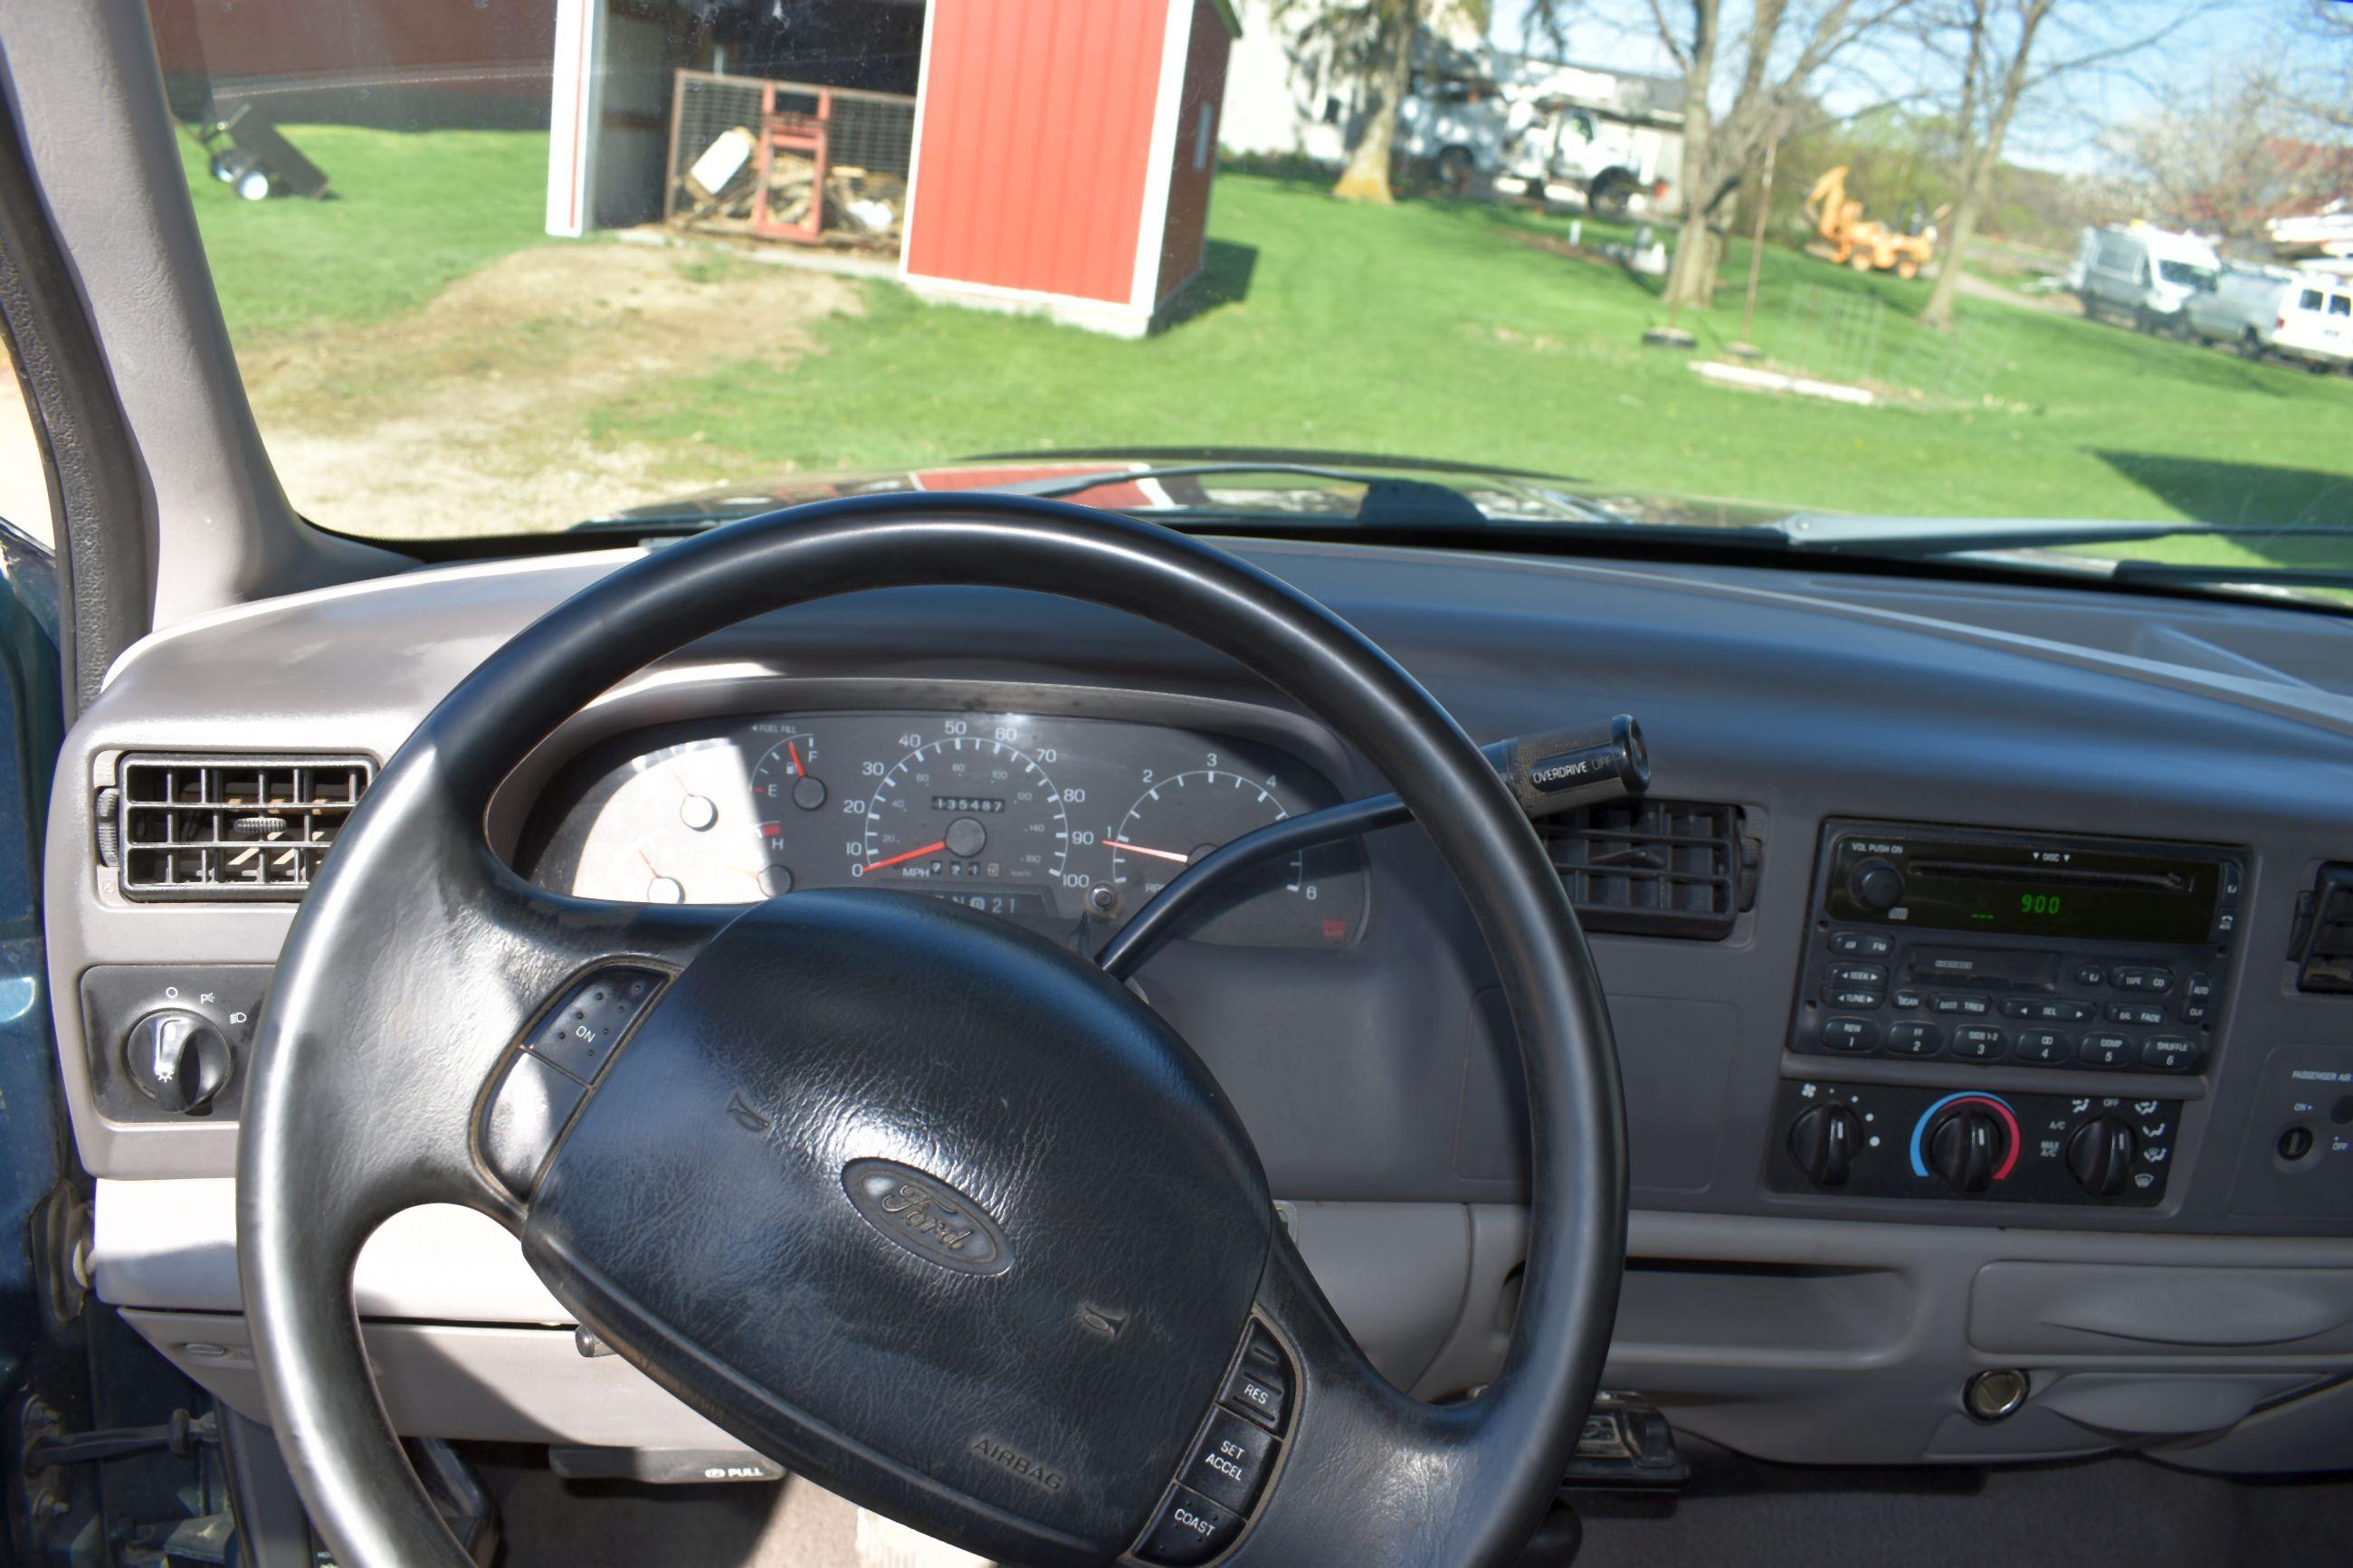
x,y
1049,820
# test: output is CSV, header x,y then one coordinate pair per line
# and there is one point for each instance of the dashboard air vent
x,y
1656,868
219,827
2321,948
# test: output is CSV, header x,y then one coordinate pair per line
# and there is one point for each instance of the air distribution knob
x,y
1876,884
1966,1146
2100,1156
177,1058
1822,1142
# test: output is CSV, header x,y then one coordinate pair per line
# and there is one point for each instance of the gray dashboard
x,y
1372,1069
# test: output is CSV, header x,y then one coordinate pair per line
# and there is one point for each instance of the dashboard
x,y
1072,825
1957,910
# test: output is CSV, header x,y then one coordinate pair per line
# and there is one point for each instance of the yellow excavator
x,y
1864,244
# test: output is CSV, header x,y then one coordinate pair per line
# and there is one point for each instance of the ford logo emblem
x,y
926,1216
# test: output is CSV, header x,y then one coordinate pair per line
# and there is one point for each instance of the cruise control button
x,y
2168,1053
1915,1039
1257,1392
1850,1035
2044,1046
1188,1529
1979,1043
533,1103
584,1027
1230,1462
2103,1050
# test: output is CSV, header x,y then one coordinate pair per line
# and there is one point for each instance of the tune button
x,y
1979,1043
2103,1050
1857,998
2042,1047
1850,1035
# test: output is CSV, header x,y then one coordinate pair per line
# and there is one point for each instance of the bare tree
x,y
2321,87
2002,53
2232,160
1780,49
1372,41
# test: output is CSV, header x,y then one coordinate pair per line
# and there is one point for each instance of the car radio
x,y
1973,947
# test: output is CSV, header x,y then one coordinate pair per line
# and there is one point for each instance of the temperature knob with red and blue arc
x,y
1967,1140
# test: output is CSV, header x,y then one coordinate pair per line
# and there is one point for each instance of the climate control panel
x,y
1902,1140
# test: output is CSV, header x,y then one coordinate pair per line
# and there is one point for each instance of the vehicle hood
x,y
1514,495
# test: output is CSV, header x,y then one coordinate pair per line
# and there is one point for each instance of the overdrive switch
x,y
2100,1156
178,1059
1822,1142
1966,1146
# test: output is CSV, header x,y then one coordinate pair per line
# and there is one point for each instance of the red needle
x,y
798,771
1156,854
910,855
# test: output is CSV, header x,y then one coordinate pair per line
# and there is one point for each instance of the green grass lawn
x,y
1440,329
405,216
1433,329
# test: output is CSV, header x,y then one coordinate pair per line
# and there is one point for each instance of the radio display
x,y
2025,889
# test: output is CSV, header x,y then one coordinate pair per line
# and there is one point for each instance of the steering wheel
x,y
915,1203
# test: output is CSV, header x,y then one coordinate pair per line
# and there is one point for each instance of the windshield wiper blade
x,y
1925,537
2191,573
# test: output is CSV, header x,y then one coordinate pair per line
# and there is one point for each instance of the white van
x,y
2140,275
2240,307
2315,322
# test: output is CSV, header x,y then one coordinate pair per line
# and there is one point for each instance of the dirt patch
x,y
471,416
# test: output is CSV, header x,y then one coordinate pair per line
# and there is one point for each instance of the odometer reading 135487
x,y
968,806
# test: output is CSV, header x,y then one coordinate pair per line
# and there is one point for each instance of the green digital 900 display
x,y
2023,887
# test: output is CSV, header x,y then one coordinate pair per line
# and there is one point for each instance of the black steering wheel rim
x,y
416,934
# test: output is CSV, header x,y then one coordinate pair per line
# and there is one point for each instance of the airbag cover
x,y
893,1191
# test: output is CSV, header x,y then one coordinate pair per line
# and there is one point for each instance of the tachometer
x,y
1179,819
965,809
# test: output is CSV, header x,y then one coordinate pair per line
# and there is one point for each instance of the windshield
x,y
503,266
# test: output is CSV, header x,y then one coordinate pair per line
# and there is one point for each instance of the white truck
x,y
1545,145
2142,276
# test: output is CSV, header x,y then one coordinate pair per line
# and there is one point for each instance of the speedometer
x,y
967,809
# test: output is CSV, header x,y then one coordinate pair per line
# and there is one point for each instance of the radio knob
x,y
2100,1156
1876,884
1822,1142
1966,1146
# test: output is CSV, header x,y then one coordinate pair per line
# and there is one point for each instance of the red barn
x,y
1064,151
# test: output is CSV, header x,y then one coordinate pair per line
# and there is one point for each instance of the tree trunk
x,y
1698,251
1367,177
1938,311
1693,279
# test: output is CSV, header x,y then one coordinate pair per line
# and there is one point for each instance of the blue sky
x,y
2058,132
